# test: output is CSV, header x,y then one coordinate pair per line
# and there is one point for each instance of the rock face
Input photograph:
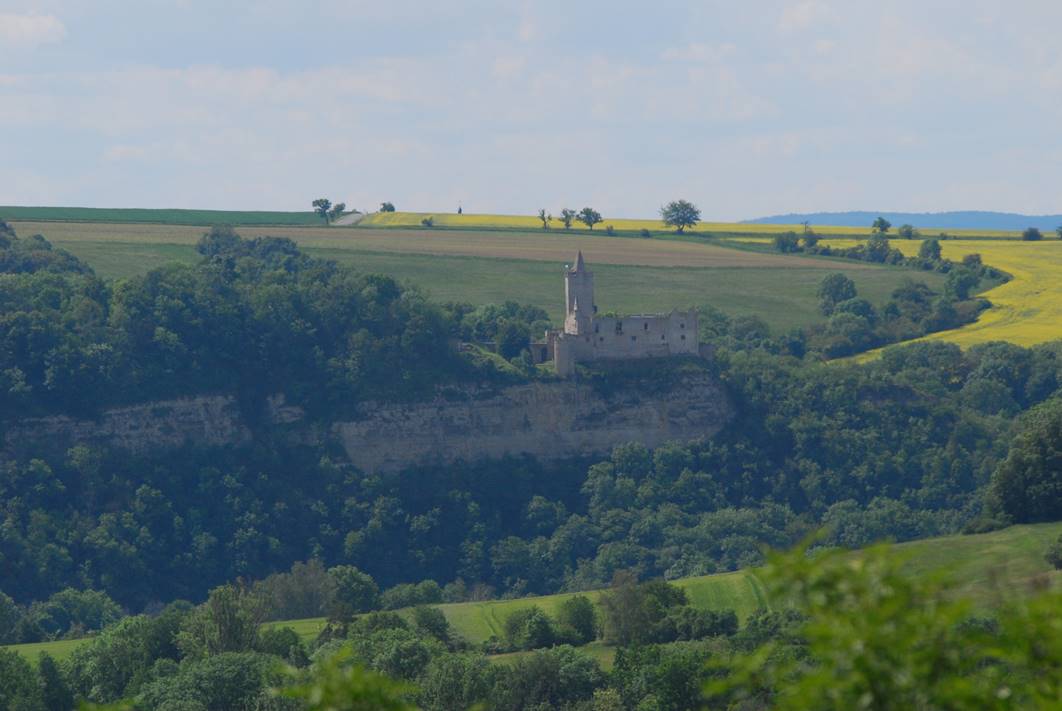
x,y
549,420
207,421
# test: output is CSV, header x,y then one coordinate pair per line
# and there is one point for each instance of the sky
x,y
746,109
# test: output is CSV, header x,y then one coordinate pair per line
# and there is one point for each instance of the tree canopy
x,y
680,214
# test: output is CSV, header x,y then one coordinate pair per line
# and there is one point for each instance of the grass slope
x,y
633,275
987,567
172,217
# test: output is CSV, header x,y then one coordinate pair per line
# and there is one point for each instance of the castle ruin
x,y
588,337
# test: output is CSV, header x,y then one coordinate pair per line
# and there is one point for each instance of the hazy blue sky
x,y
745,108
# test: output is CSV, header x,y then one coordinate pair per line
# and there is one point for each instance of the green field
x,y
172,217
987,567
479,267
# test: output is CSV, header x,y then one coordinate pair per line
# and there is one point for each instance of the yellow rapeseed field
x,y
444,219
1026,310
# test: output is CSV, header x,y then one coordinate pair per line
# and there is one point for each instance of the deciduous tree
x,y
680,214
589,217
322,206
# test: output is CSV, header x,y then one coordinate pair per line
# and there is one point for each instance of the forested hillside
x,y
928,440
254,317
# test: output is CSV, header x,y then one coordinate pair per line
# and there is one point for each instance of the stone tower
x,y
579,297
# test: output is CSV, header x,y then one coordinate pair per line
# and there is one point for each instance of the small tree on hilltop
x,y
589,217
322,206
387,207
546,218
881,225
337,211
1031,234
680,214
567,215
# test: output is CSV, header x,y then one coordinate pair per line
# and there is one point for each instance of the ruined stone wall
x,y
549,420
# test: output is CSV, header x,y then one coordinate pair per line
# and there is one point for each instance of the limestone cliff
x,y
549,420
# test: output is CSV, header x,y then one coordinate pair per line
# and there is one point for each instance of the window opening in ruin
x,y
619,327
646,325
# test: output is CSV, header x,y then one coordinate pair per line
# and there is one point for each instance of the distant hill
x,y
967,219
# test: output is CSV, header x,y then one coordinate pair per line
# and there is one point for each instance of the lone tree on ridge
x,y
546,218
322,206
387,207
680,214
1032,234
589,217
567,215
881,225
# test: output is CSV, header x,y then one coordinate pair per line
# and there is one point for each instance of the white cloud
x,y
27,31
699,52
801,16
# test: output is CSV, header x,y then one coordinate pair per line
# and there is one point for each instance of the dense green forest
x,y
927,440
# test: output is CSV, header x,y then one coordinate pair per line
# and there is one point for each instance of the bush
x,y
432,622
356,592
787,242
1054,554
1031,234
577,620
645,233
610,230
1028,484
306,591
285,643
426,592
550,679
428,222
930,250
529,628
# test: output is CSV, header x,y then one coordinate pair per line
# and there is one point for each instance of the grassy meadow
x,y
987,567
483,266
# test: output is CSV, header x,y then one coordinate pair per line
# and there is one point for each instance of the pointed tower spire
x,y
580,266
